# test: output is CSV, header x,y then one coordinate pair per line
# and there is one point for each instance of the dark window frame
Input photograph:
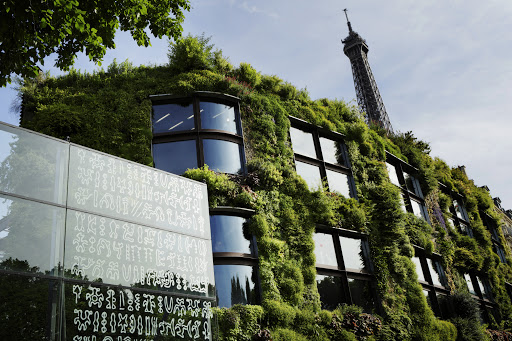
x,y
199,134
318,132
462,225
428,285
344,273
236,258
408,195
496,240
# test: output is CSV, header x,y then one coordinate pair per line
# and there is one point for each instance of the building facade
x,y
318,223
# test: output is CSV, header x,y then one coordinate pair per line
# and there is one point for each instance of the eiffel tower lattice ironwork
x,y
367,92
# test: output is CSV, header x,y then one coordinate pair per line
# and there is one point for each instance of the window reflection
x,y
25,303
417,209
173,117
352,253
338,182
485,288
228,236
235,284
435,272
310,173
302,142
330,290
469,283
324,249
30,235
331,151
458,209
362,294
218,116
175,157
222,156
419,270
393,176
410,183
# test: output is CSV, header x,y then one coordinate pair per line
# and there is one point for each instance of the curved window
x,y
203,129
235,284
175,157
222,156
321,155
235,257
228,235
173,117
218,116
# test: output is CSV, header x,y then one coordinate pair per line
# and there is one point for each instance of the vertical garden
x,y
111,111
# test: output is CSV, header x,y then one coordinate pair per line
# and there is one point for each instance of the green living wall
x,y
110,110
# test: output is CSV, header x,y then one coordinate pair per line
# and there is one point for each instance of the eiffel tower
x,y
367,92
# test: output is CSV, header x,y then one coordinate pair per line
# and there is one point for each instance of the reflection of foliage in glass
x,y
28,232
24,304
329,288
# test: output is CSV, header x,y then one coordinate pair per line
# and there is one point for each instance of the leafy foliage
x,y
32,30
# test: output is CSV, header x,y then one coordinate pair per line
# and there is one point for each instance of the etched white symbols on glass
x,y
116,252
127,191
154,315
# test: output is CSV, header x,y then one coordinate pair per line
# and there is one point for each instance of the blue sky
x,y
443,67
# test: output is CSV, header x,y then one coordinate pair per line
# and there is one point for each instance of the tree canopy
x,y
32,30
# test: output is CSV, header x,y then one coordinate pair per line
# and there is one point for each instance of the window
x,y
458,218
321,155
202,129
235,257
497,245
432,278
344,270
480,288
401,174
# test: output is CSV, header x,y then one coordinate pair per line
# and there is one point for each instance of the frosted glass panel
x,y
33,165
128,191
110,251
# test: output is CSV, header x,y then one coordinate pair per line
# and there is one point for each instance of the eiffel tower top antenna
x,y
348,22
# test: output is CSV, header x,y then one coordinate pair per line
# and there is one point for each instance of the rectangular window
x,y
321,158
343,269
401,174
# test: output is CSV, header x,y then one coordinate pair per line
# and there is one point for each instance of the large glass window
x,y
235,257
203,129
321,155
343,269
401,174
